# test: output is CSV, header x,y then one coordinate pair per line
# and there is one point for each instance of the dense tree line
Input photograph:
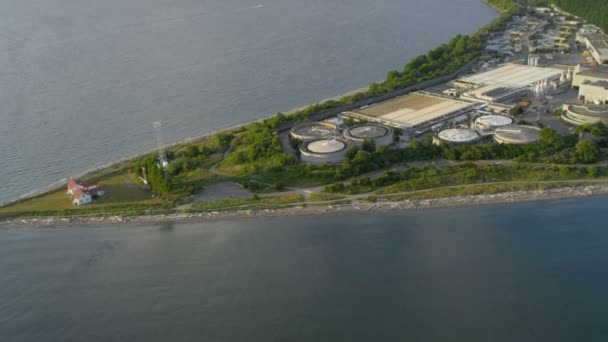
x,y
194,156
598,129
431,177
157,179
594,11
441,61
259,143
551,148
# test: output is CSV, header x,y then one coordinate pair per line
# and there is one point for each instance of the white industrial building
x,y
416,112
495,93
589,75
509,82
596,92
511,76
597,45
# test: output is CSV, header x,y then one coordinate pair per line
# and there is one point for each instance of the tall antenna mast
x,y
162,156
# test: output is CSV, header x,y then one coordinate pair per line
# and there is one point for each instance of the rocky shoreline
x,y
386,206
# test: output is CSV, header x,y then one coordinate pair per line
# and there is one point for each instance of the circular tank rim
x,y
473,135
349,131
521,138
479,120
328,125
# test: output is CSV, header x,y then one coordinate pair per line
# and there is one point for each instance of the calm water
x,y
82,81
529,272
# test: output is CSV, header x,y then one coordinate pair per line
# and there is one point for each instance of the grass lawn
x,y
482,189
120,189
247,203
321,196
56,200
123,188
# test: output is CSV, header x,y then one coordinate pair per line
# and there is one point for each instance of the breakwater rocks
x,y
380,206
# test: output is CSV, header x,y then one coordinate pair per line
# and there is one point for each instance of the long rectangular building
x,y
414,110
598,46
597,74
511,76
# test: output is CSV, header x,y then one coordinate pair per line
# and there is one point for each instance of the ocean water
x,y
524,272
81,82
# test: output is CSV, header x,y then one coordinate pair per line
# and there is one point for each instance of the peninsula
x,y
516,111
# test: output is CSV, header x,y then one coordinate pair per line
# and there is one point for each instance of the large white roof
x,y
414,109
513,75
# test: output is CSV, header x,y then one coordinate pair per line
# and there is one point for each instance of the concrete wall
x,y
577,119
325,158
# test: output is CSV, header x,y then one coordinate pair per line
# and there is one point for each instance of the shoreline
x,y
59,184
92,172
336,209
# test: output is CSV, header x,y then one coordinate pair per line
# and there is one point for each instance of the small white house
x,y
81,197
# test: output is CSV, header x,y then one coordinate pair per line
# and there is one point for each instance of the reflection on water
x,y
82,81
528,272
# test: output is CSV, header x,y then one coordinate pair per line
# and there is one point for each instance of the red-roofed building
x,y
84,193
81,197
73,185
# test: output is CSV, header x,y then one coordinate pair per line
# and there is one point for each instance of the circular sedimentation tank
x,y
517,134
585,114
314,130
380,135
456,136
492,121
322,151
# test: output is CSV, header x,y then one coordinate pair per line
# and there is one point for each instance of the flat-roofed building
x,y
495,93
594,92
598,47
510,76
417,111
590,75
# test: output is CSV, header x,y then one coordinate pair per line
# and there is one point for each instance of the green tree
x,y
587,151
369,146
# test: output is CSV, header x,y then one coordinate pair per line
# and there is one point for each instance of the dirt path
x,y
307,192
213,169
